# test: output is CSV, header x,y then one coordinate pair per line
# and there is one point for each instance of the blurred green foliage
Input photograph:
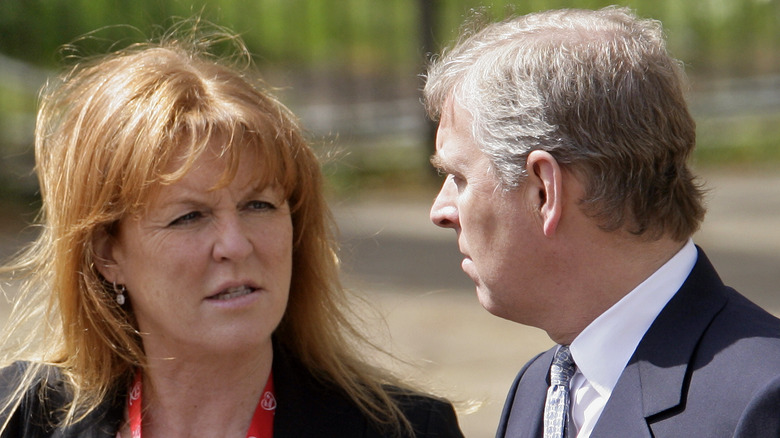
x,y
714,36
288,32
347,50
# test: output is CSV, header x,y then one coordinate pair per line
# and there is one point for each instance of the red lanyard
x,y
262,425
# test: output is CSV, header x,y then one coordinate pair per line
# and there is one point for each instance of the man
x,y
564,136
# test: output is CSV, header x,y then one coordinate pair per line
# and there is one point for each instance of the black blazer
x,y
709,366
306,408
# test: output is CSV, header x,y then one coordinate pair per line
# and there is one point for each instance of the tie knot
x,y
562,367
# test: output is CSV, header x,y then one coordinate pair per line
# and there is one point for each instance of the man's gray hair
x,y
597,90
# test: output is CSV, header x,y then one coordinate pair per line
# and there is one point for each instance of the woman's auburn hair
x,y
105,130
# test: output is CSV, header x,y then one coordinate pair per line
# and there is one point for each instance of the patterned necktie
x,y
556,408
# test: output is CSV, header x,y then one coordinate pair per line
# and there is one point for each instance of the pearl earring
x,y
120,294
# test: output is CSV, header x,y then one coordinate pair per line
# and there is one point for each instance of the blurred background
x,y
351,70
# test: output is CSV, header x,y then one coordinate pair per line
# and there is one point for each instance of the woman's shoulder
x,y
23,377
20,403
33,397
429,416
312,406
12,372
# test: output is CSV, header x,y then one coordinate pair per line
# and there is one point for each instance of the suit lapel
x,y
623,414
524,408
655,378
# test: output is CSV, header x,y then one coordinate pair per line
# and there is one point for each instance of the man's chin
x,y
486,300
494,307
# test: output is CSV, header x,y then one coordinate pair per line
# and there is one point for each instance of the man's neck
x,y
609,274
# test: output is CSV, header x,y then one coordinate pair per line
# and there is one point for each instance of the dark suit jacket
x,y
709,366
305,408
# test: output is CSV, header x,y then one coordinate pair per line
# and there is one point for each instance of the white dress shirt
x,y
603,349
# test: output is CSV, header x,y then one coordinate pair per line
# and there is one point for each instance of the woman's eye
x,y
260,205
187,218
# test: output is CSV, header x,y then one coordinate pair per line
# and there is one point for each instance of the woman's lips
x,y
233,292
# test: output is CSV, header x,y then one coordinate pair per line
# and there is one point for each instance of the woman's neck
x,y
207,395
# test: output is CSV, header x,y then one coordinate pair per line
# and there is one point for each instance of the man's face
x,y
498,229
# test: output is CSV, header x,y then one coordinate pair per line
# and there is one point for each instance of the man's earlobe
x,y
547,173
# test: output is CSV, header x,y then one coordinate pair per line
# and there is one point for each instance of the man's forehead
x,y
453,132
448,111
454,112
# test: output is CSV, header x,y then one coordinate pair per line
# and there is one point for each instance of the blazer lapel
x,y
654,380
623,413
524,408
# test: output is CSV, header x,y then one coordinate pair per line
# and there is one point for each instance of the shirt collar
x,y
603,349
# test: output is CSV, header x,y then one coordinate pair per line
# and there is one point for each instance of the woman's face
x,y
206,270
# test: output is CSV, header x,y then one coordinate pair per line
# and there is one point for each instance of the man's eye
x,y
187,218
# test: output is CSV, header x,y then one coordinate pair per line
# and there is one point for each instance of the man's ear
x,y
543,168
103,244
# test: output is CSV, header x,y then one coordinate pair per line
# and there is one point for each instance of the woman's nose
x,y
444,212
232,241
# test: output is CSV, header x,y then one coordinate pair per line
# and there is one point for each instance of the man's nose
x,y
444,212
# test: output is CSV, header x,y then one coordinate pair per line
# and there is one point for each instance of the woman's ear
x,y
105,262
544,169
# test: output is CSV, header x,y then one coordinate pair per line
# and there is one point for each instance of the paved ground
x,y
410,271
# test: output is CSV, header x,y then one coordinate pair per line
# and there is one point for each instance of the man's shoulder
x,y
707,317
744,312
741,332
715,328
732,376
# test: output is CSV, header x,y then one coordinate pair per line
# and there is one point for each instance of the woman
x,y
185,281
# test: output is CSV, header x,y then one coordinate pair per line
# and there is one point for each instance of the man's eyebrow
x,y
438,163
